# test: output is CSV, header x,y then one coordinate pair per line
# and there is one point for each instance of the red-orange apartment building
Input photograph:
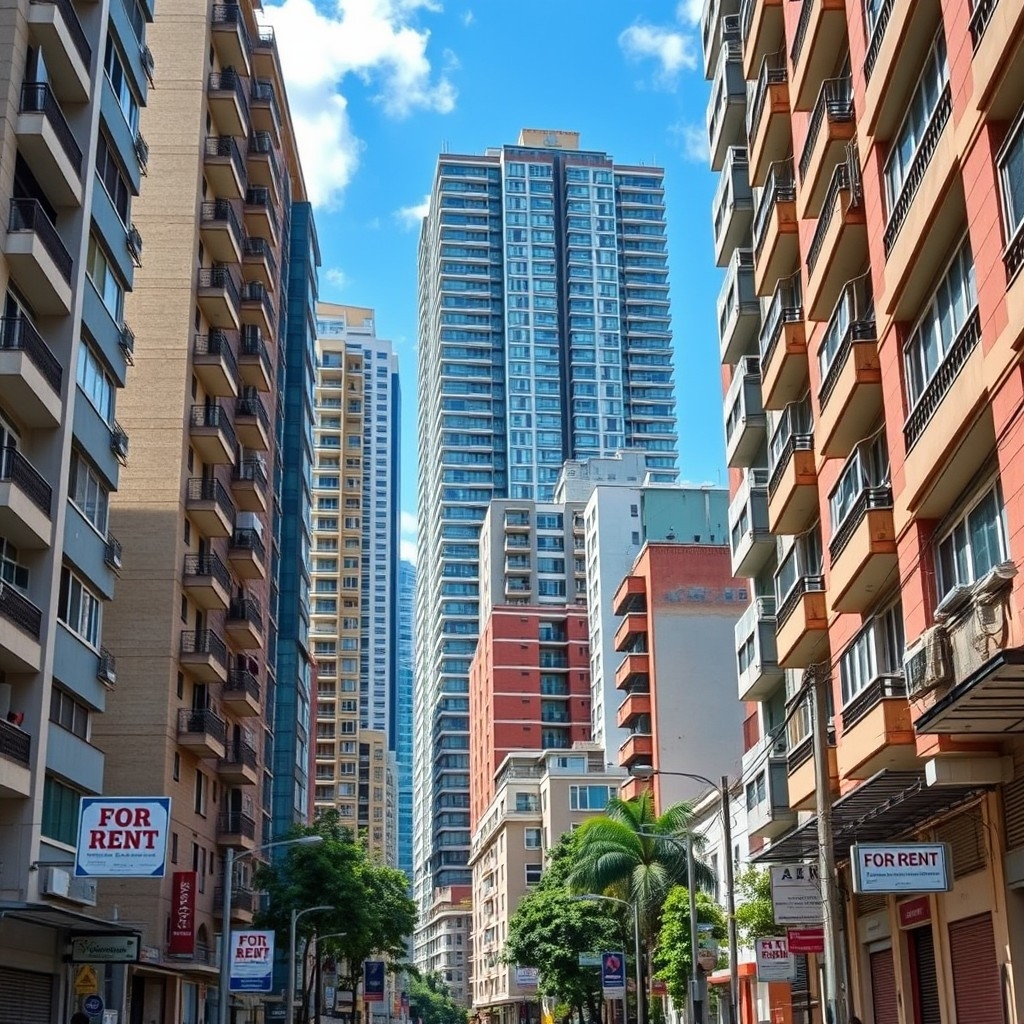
x,y
870,217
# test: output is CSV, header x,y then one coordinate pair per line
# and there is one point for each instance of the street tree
x,y
673,954
431,1000
755,915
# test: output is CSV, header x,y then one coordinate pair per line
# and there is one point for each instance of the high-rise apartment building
x,y
403,714
870,216
195,622
544,335
76,77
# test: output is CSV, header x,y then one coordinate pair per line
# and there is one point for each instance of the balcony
x,y
770,815
247,554
997,70
258,308
830,130
39,263
252,423
264,52
209,506
15,761
213,363
241,693
236,829
769,136
839,246
230,35
762,31
239,765
733,206
631,596
258,263
744,415
775,229
801,634
750,540
204,656
228,103
224,167
48,145
249,485
244,903
244,624
726,108
850,395
202,732
262,162
632,628
877,731
263,106
206,580
739,312
221,231
55,28
212,434
254,365
782,344
638,749
25,501
793,484
260,216
862,552
30,374
633,670
800,779
217,295
818,46
757,660
634,707
20,626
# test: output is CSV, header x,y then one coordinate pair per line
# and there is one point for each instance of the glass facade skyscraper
x,y
544,334
403,718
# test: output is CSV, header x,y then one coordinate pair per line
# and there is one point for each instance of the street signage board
x,y
901,867
527,978
122,837
806,940
373,981
796,894
914,912
104,949
589,959
613,975
774,960
251,963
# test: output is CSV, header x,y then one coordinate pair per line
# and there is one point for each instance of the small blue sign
x,y
613,975
93,1006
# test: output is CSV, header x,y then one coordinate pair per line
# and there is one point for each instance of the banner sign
x,y
912,913
251,963
527,978
806,940
105,949
796,894
183,914
613,975
900,867
774,960
122,837
373,981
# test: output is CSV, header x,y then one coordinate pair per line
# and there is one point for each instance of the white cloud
x,y
408,524
410,216
468,18
691,11
336,276
407,527
407,550
693,141
674,50
374,40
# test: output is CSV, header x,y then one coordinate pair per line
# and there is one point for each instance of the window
x,y
199,805
974,544
795,421
79,608
1011,179
526,802
533,873
114,181
122,89
588,798
60,812
533,838
11,571
944,318
867,467
69,713
97,384
104,279
756,793
877,650
802,561
87,492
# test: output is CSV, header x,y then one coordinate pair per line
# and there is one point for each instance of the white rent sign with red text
x,y
774,960
900,867
122,836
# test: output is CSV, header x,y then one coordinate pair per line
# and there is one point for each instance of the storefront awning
x,y
47,916
885,807
990,701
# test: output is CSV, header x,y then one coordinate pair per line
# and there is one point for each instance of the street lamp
x,y
646,771
296,914
225,928
636,947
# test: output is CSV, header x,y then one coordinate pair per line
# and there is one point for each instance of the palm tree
x,y
638,856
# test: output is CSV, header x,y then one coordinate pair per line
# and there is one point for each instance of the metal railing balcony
x,y
207,564
29,215
214,415
219,277
225,145
205,489
204,641
229,81
38,98
16,469
18,334
79,39
19,610
216,343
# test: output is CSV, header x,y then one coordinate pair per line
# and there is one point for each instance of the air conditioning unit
x,y
927,662
135,245
55,882
83,891
106,673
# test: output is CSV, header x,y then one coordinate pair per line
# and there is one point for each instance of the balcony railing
x,y
231,14
980,16
869,499
106,667
773,72
253,345
38,98
262,144
262,91
854,315
236,823
877,35
207,565
142,152
845,178
205,489
801,30
29,215
786,307
216,416
251,405
18,334
253,470
15,745
79,39
202,721
241,899
16,469
241,680
245,609
241,754
796,442
266,39
221,211
880,688
216,343
1013,257
113,553
225,145
812,584
254,291
119,442
248,539
259,248
220,278
834,104
19,610
229,81
780,187
204,641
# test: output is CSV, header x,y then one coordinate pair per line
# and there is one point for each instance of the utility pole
x,y
734,967
836,994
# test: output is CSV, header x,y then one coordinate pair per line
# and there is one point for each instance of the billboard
x,y
613,975
251,962
122,837
373,981
900,867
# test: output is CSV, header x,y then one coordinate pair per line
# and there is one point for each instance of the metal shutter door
x,y
883,988
25,997
926,975
976,987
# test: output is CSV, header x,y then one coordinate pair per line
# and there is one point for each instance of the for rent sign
x,y
774,960
122,836
252,961
900,867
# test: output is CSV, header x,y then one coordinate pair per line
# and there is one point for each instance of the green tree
x,y
673,955
755,915
430,998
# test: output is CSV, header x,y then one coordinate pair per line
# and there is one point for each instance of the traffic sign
x,y
93,1006
589,959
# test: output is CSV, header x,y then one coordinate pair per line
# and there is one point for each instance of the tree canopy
x,y
673,955
755,915
430,998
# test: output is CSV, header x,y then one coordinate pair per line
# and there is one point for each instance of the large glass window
x,y
105,279
1011,178
974,544
60,812
88,493
803,559
113,179
79,608
114,68
877,650
588,798
867,467
94,380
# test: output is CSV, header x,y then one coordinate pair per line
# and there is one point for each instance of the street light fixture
x,y
225,928
290,989
646,771
592,896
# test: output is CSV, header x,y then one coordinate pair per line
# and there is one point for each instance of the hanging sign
x,y
900,867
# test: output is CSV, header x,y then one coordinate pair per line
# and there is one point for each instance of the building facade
x,y
76,78
195,624
403,717
869,220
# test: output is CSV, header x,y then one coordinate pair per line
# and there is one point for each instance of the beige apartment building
x,y
195,620
539,796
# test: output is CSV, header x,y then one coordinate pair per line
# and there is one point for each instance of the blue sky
x,y
378,87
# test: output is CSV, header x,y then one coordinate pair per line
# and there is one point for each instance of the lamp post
x,y
636,948
225,928
317,939
290,989
646,771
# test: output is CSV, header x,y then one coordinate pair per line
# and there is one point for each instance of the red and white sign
x,y
183,914
251,965
806,940
122,837
774,960
900,867
914,912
